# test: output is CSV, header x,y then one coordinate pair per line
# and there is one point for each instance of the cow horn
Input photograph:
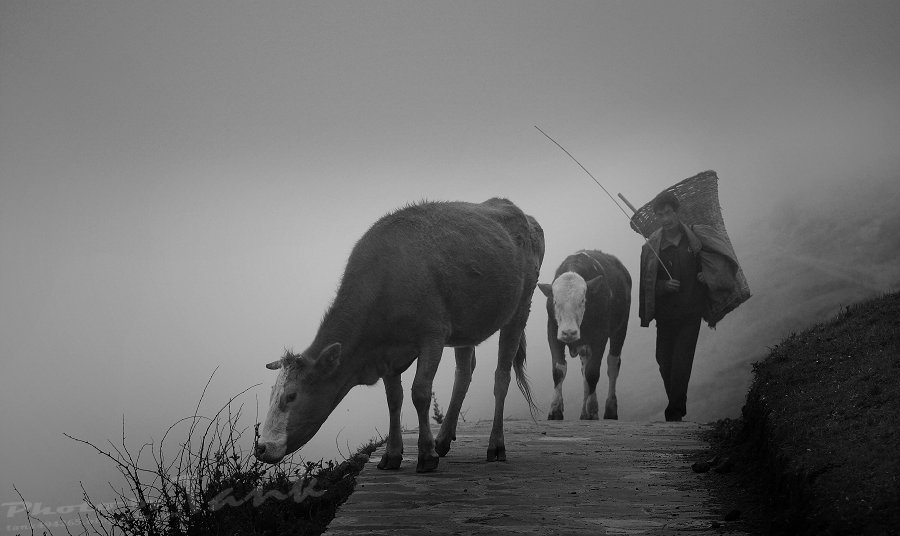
x,y
289,358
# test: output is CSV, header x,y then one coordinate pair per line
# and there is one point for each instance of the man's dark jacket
x,y
718,263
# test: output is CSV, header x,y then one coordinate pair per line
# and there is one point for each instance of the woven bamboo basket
x,y
699,200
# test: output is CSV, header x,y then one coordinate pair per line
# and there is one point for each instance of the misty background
x,y
181,185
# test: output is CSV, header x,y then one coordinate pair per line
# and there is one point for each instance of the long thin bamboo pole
x,y
613,199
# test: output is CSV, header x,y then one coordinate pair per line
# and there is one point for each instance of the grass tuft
x,y
211,484
437,413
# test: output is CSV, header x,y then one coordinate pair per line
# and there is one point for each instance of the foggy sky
x,y
181,183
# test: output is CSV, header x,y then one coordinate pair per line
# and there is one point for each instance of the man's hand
x,y
701,278
671,285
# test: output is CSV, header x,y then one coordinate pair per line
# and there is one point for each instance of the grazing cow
x,y
588,303
422,278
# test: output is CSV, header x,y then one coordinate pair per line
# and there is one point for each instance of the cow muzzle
x,y
568,335
269,451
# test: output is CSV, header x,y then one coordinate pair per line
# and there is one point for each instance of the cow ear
x,y
274,365
329,358
595,283
546,288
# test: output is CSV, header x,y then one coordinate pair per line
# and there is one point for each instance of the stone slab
x,y
560,477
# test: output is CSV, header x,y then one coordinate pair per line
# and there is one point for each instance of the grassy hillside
x,y
821,423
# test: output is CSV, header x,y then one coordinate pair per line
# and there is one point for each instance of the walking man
x,y
696,258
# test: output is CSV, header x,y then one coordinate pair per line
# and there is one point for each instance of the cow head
x,y
566,300
304,395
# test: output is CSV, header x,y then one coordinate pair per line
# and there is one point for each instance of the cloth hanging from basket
x,y
701,213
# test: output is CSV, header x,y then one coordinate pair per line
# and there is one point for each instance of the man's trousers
x,y
676,341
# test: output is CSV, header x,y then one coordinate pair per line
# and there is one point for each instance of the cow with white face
x,y
588,304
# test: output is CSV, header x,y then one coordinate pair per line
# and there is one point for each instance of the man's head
x,y
666,206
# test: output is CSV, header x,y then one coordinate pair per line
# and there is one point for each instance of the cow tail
x,y
522,378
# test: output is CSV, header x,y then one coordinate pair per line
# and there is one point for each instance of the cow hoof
x,y
555,416
442,447
390,462
496,455
427,464
612,409
591,417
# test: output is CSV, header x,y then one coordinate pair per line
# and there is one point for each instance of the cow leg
x,y
393,453
613,362
426,367
558,359
465,365
590,369
509,345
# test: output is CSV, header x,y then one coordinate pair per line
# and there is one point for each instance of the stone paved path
x,y
560,477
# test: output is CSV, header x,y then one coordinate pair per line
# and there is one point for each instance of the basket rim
x,y
644,218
